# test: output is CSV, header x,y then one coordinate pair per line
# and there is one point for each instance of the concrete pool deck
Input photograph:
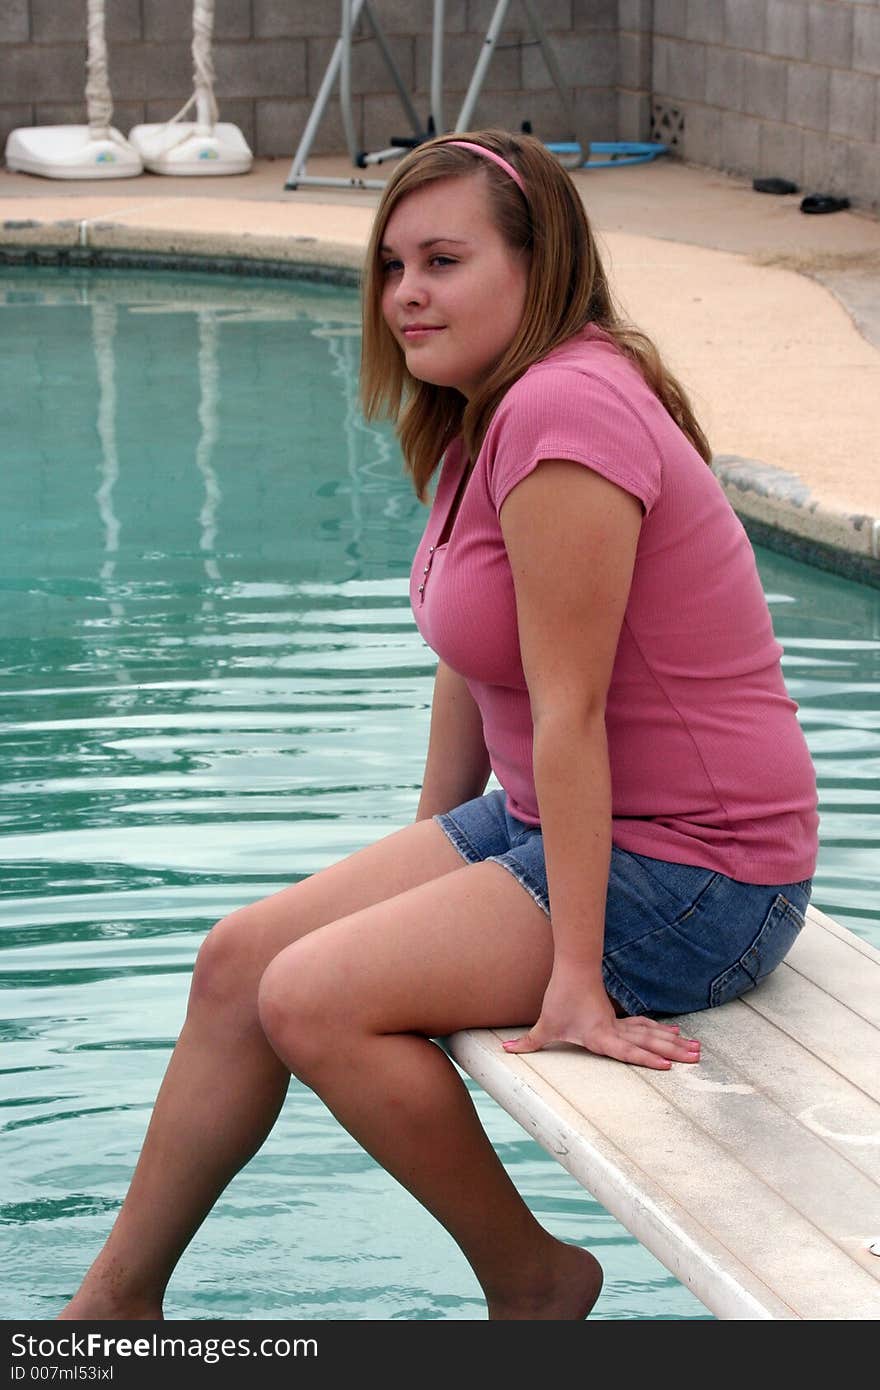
x,y
771,317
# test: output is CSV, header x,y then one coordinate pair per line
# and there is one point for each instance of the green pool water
x,y
212,685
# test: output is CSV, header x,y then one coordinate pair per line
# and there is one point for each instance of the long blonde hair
x,y
567,288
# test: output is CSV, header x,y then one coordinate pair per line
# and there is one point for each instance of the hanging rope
x,y
203,69
99,102
203,66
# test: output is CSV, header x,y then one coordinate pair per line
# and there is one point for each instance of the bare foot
x,y
564,1291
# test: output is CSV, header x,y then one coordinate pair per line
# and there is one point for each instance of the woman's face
x,y
453,290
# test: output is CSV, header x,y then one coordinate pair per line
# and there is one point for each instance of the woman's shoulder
x,y
572,405
584,380
590,361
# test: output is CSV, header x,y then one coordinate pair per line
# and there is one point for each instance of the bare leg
x,y
224,1085
352,1009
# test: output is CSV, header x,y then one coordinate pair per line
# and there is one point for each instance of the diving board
x,y
754,1175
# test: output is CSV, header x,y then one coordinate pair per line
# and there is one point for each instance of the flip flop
x,y
823,202
774,186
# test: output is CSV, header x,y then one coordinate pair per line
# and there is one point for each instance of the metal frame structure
x,y
340,67
490,43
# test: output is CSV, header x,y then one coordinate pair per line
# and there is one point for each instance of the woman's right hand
x,y
578,1010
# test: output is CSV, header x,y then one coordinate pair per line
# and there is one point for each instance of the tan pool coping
x,y
771,317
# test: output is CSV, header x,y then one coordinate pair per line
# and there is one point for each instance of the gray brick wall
x,y
781,87
635,68
785,87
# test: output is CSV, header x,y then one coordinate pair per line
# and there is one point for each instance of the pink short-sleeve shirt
x,y
709,765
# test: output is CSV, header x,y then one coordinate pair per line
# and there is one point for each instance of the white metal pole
x,y
437,68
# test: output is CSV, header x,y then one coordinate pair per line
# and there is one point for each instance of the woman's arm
x,y
457,765
571,537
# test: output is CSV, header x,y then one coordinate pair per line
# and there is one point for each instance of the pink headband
x,y
495,158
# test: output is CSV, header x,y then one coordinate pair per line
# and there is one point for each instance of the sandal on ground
x,y
823,202
774,186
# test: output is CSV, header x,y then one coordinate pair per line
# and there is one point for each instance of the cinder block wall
x,y
784,87
270,57
780,87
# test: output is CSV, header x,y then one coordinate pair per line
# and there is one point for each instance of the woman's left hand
x,y
577,1010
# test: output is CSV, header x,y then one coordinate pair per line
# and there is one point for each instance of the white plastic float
x,y
93,151
202,146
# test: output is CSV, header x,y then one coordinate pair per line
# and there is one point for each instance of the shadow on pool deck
x,y
771,316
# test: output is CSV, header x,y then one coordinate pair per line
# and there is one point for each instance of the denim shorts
x,y
677,938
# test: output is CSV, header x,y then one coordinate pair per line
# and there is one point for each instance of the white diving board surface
x,y
753,1176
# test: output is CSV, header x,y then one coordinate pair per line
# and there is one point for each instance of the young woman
x,y
606,650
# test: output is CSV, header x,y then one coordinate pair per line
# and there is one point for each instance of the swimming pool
x,y
212,685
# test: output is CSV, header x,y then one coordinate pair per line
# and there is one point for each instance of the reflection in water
x,y
208,399
344,371
103,338
211,686
103,335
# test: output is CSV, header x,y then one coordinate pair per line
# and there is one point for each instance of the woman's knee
x,y
230,960
301,1002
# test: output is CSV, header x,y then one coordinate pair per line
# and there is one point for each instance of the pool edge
x,y
780,512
